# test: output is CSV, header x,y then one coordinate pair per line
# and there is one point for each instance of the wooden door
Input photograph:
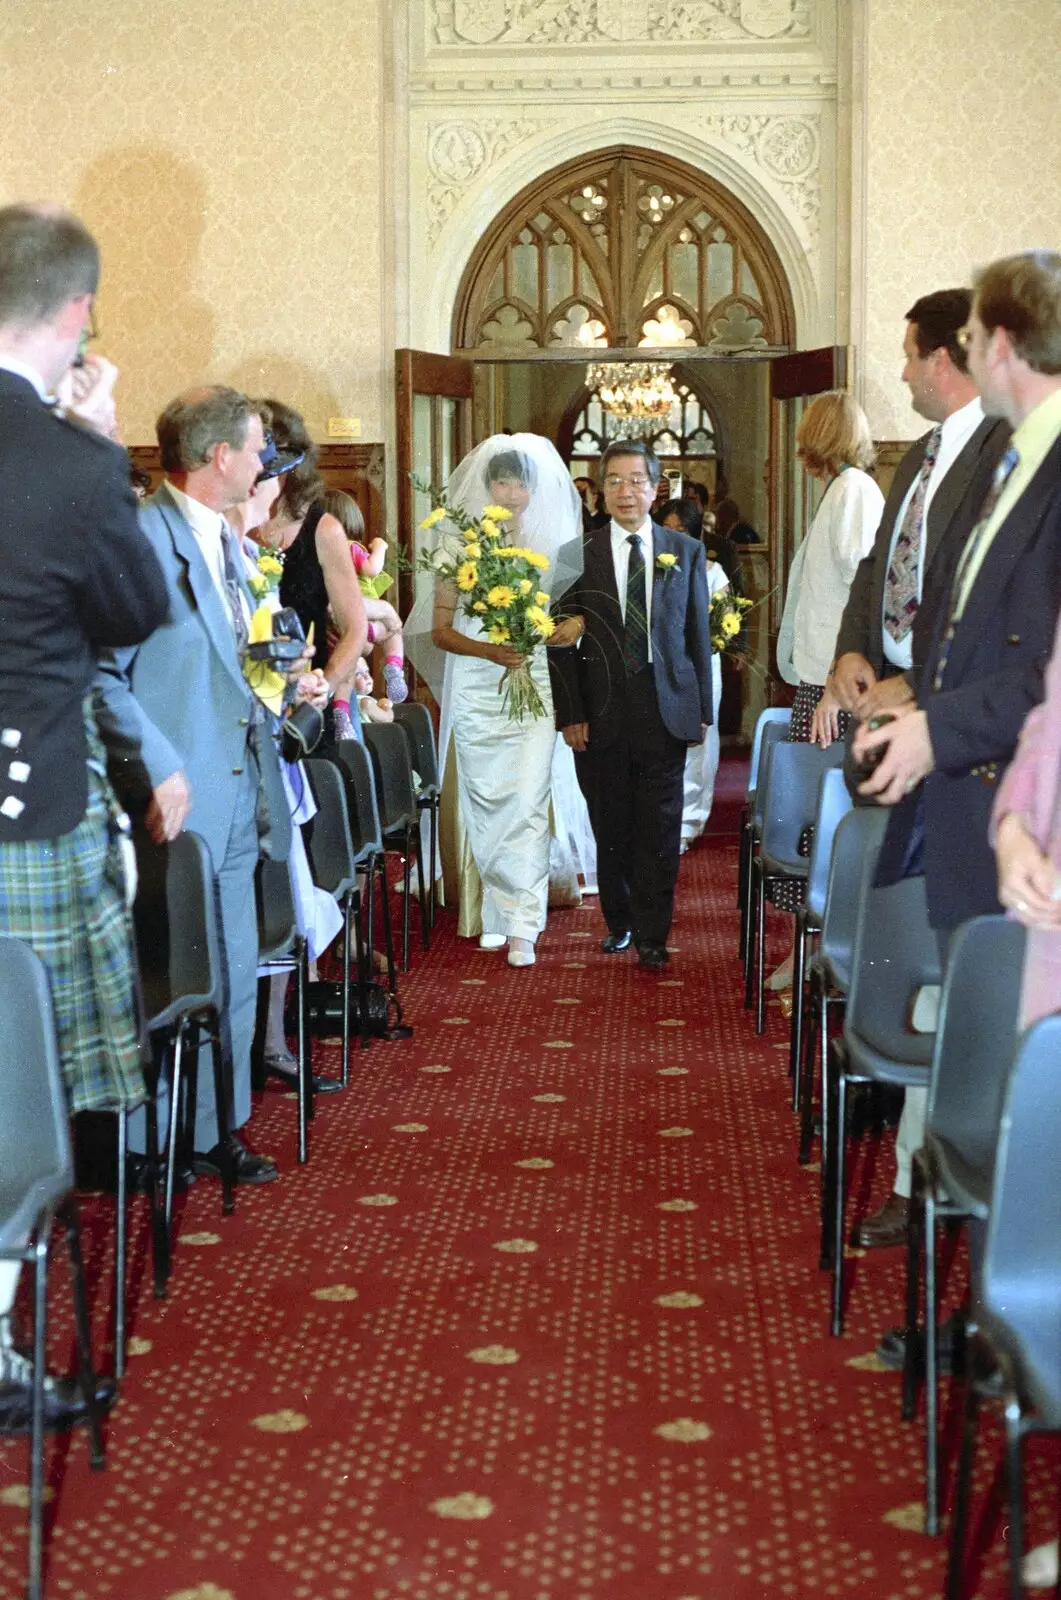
x,y
434,400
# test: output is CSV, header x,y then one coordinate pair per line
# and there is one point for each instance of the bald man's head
x,y
47,259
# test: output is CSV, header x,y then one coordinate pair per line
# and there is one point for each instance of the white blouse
x,y
844,528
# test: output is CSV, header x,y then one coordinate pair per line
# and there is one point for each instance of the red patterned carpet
x,y
541,1319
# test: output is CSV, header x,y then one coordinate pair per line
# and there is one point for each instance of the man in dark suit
x,y
886,630
880,647
76,574
633,694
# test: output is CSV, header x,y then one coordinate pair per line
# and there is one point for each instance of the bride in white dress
x,y
503,769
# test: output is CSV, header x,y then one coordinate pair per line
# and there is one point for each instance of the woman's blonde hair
x,y
346,511
833,433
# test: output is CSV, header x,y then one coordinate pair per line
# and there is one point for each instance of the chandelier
x,y
633,390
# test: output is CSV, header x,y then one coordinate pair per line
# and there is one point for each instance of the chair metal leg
x,y
344,1075
304,1094
34,1587
914,1238
174,1131
748,921
960,1516
222,1102
425,925
839,1165
363,976
743,829
806,1067
388,932
931,1369
760,949
1015,1486
799,967
159,1236
434,857
828,1183
86,1376
407,879
120,1245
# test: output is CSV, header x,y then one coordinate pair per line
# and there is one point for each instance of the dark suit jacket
x,y
993,678
861,628
76,573
584,677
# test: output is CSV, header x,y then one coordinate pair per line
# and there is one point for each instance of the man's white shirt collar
x,y
204,521
962,423
621,535
31,375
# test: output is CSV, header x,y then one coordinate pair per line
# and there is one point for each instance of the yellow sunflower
x,y
498,634
541,598
467,575
525,586
500,596
539,561
433,517
541,622
497,513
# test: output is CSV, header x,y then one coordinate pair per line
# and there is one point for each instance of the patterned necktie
x,y
972,549
635,623
902,587
233,592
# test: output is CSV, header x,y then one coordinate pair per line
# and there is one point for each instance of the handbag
x,y
301,732
382,1017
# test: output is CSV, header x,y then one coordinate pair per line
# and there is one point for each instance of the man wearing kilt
x,y
76,574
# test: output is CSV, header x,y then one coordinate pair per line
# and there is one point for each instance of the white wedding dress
x,y
701,761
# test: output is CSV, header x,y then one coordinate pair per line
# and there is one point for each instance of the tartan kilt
x,y
66,897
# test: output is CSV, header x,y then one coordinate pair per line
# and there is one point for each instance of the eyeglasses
x,y
611,482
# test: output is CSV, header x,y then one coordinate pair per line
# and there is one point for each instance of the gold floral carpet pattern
x,y
541,1320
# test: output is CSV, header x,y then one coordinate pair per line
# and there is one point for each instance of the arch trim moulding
x,y
533,159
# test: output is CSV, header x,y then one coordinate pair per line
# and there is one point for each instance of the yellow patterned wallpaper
x,y
964,159
228,159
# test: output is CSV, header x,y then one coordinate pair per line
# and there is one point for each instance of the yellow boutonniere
x,y
666,560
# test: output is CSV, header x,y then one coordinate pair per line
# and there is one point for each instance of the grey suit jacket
x,y
861,627
179,701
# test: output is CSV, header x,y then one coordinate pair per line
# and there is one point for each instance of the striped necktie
x,y
635,622
972,551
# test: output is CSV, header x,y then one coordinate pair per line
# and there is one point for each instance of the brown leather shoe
x,y
885,1228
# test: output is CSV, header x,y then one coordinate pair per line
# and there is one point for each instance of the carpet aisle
x,y
541,1319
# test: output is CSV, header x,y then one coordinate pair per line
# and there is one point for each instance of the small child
x,y
384,623
372,710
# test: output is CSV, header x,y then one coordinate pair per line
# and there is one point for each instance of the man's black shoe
x,y
652,956
247,1167
288,1076
137,1171
950,1345
614,943
64,1404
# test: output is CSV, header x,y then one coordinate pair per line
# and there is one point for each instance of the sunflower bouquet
x,y
727,620
497,586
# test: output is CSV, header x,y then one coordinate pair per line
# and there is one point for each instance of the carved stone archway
x,y
595,251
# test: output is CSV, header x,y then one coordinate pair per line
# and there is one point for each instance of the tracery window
x,y
621,249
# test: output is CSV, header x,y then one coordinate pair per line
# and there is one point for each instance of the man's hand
x,y
87,393
567,632
851,676
169,805
825,724
576,735
890,694
908,756
1026,877
313,686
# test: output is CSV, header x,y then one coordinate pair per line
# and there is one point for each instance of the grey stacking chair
x,y
772,726
400,817
330,848
179,955
895,954
366,831
834,803
789,808
282,948
856,843
1016,1306
419,730
974,1049
36,1187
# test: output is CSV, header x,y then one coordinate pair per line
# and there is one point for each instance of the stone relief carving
x,y
457,152
582,22
786,150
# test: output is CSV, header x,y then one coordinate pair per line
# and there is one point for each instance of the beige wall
x,y
229,161
963,160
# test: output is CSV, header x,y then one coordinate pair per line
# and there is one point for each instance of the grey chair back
x,y
975,1046
895,954
419,730
366,830
329,844
857,841
391,767
36,1161
774,733
277,918
791,803
778,719
175,923
834,802
1020,1285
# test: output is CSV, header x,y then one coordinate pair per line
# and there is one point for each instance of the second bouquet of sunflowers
x,y
727,620
498,585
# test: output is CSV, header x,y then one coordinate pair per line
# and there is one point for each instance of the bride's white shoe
x,y
492,941
520,953
1039,1567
